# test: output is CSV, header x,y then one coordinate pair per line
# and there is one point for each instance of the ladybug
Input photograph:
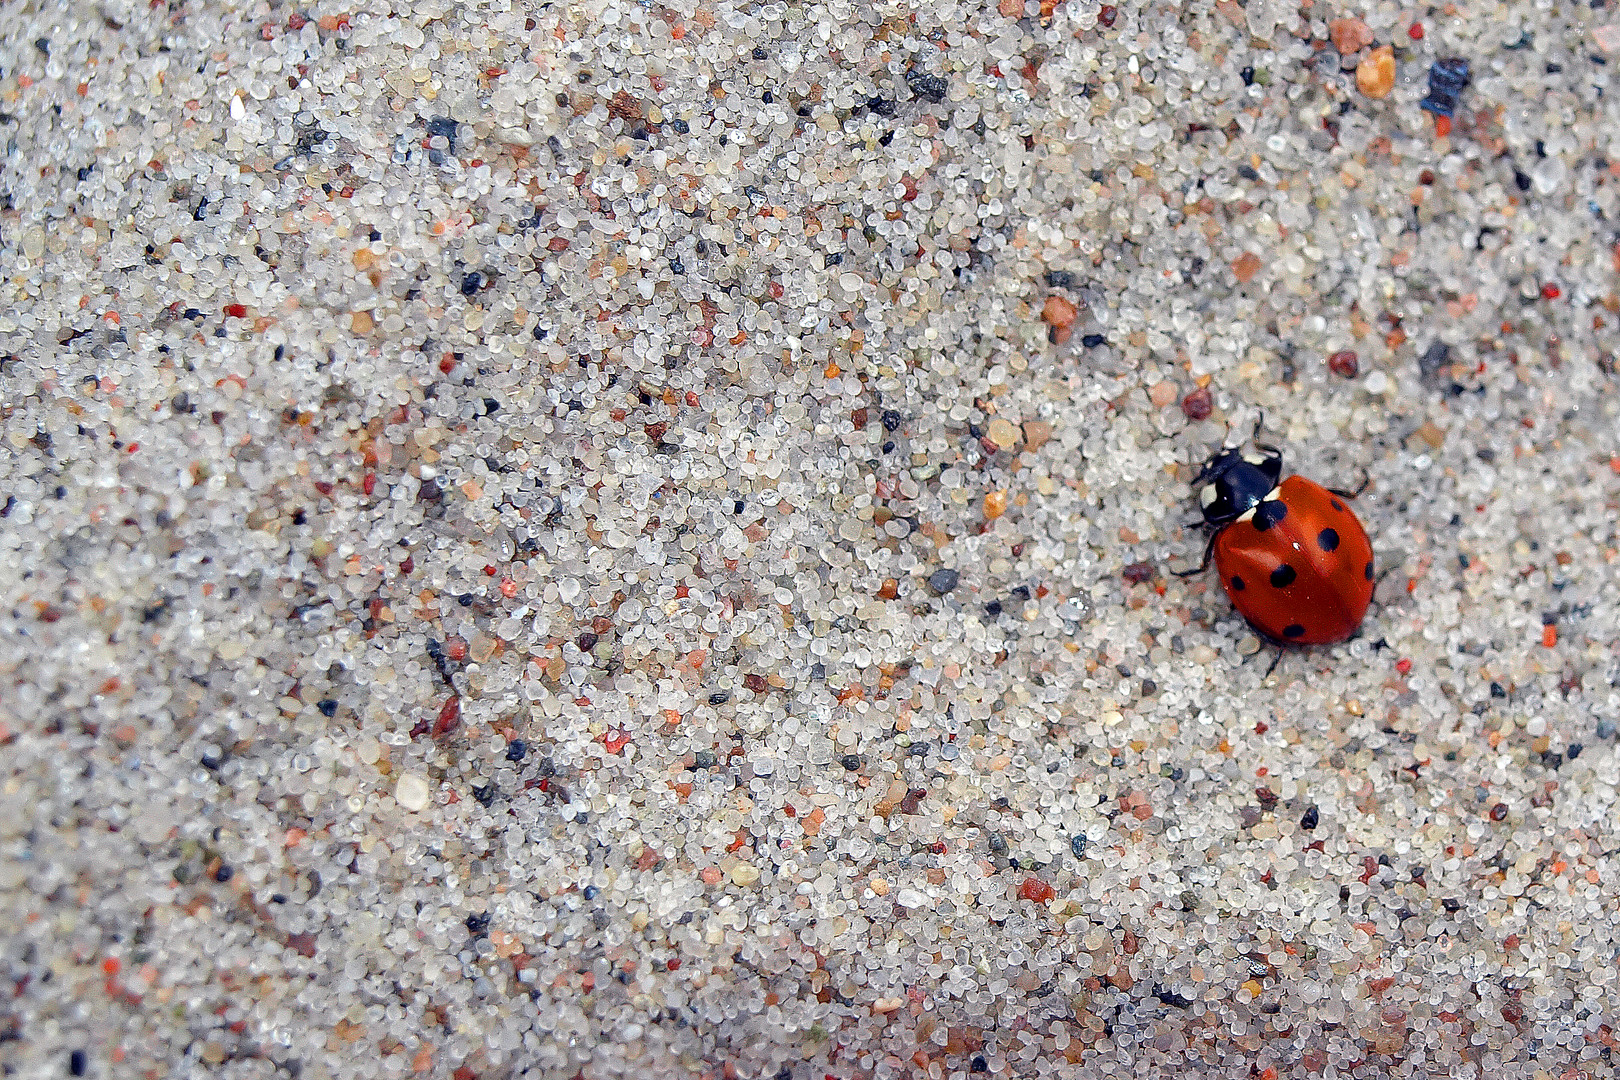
x,y
1292,555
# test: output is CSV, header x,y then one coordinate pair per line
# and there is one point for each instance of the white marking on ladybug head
x,y
1207,496
1274,493
1255,457
1247,514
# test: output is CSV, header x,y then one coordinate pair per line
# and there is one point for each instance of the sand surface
x,y
607,539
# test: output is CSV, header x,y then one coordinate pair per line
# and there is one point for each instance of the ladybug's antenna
x,y
1258,424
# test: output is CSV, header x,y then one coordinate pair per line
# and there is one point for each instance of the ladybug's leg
x,y
1275,660
1209,550
1366,479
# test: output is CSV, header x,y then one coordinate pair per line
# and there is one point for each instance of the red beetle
x,y
1292,555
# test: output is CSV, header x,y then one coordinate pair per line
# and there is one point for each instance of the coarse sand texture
x,y
598,539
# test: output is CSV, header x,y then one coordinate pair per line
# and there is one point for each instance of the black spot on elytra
x,y
1283,576
1368,572
1237,584
1327,539
1269,513
1336,504
1293,630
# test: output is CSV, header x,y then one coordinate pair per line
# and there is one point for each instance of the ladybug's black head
x,y
1235,481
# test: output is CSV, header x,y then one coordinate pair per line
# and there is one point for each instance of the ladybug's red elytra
x,y
1292,555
